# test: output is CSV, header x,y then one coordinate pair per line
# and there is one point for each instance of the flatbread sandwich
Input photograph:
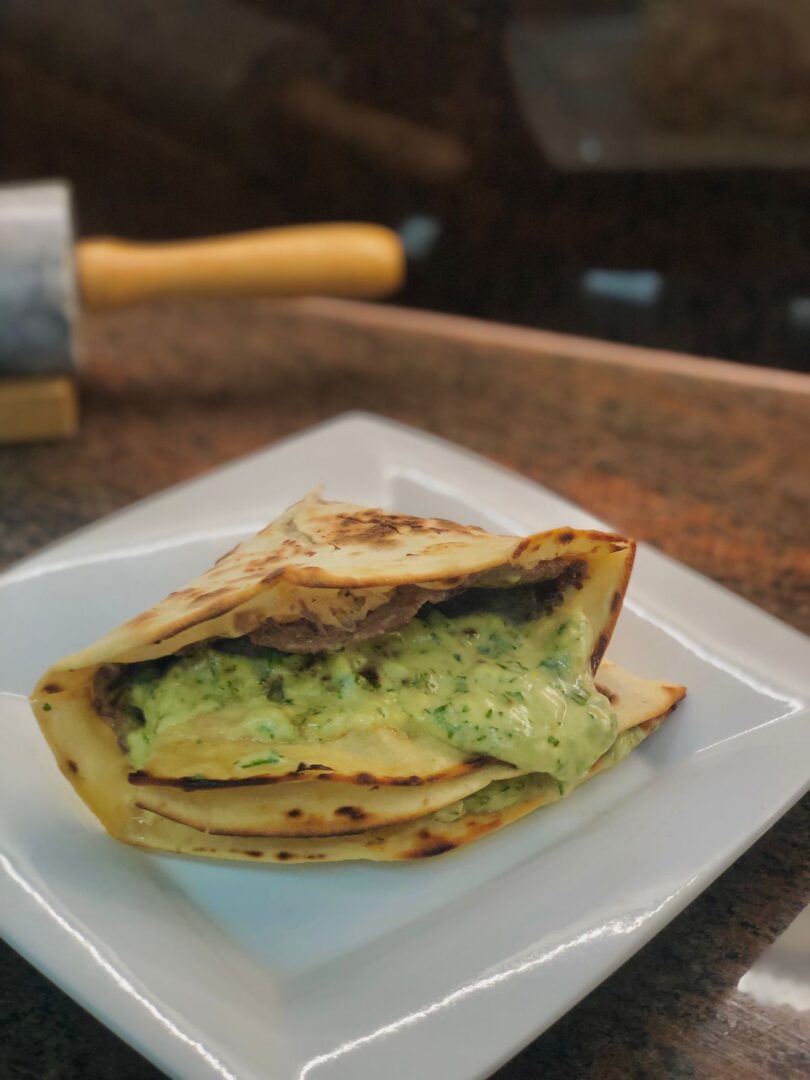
x,y
355,684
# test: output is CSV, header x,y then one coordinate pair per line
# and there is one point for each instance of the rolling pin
x,y
45,278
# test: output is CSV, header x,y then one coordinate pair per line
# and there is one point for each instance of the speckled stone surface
x,y
715,474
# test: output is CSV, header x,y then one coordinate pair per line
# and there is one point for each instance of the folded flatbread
x,y
352,684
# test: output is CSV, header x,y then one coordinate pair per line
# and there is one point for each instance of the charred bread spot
x,y
253,854
424,834
371,528
193,783
375,526
352,812
440,848
283,856
304,766
521,547
140,778
71,764
565,537
315,856
611,695
52,688
294,813
599,651
615,601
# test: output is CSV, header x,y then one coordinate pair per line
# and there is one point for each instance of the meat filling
x,y
529,596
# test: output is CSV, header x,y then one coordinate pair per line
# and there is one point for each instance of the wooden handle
x,y
37,408
334,260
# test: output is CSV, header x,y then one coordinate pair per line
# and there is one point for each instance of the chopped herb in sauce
x,y
440,676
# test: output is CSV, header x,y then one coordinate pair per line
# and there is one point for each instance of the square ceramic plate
x,y
358,971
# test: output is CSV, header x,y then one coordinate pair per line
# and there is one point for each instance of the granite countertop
x,y
707,462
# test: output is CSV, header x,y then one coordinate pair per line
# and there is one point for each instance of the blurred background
x,y
637,171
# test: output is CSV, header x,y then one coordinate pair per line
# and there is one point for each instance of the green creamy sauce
x,y
501,794
519,692
498,795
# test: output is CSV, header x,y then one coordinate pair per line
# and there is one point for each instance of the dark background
x,y
138,103
184,117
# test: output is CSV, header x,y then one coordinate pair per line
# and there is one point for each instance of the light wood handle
x,y
37,408
332,259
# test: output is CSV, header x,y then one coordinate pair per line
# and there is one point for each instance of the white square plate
x,y
358,971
